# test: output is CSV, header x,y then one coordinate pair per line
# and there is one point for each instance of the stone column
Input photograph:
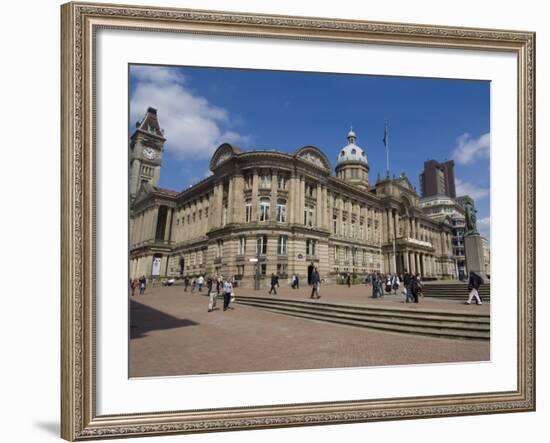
x,y
154,220
319,207
302,200
391,225
412,267
255,199
236,209
397,225
291,203
168,226
230,203
325,209
273,197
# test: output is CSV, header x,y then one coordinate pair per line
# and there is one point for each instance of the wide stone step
x,y
429,323
454,291
446,323
376,311
390,327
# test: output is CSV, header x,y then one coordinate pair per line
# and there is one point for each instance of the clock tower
x,y
146,146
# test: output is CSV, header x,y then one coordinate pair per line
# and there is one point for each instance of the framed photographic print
x,y
277,221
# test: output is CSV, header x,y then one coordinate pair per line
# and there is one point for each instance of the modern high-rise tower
x,y
438,179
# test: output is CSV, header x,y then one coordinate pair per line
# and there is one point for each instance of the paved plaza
x,y
173,334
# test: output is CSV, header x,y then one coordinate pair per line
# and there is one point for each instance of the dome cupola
x,y
352,164
352,152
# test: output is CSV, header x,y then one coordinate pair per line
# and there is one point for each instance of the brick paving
x,y
173,334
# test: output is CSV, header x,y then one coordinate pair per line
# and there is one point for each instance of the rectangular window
x,y
242,245
248,211
219,248
261,245
281,211
263,269
240,270
264,209
334,223
281,182
336,254
282,245
308,216
311,247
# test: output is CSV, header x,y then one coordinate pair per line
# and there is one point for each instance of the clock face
x,y
149,153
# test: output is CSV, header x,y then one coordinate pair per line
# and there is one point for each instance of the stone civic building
x,y
288,211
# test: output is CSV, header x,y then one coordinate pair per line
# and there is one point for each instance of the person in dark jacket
x,y
473,285
407,280
315,284
348,280
274,283
416,287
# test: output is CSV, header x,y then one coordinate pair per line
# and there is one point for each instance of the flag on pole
x,y
385,139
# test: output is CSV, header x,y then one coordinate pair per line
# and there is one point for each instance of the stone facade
x,y
291,213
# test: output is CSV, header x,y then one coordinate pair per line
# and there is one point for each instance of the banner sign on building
x,y
156,266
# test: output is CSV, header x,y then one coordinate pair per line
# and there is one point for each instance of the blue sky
x,y
200,108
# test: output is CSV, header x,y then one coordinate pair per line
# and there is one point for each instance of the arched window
x,y
264,209
281,210
353,151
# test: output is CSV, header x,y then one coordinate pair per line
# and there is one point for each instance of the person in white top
x,y
227,291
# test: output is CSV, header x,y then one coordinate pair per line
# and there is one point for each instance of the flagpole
x,y
387,145
387,151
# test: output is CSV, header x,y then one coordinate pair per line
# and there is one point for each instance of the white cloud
x,y
469,149
484,227
193,126
468,188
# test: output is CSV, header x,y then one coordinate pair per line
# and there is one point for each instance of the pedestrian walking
x,y
293,281
297,282
474,283
133,286
185,283
416,287
388,283
200,282
395,283
212,294
407,287
227,291
193,285
376,285
315,284
274,283
142,285
348,279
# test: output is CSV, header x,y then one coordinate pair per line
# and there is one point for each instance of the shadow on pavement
x,y
143,319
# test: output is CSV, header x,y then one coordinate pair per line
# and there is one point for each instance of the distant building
x,y
277,212
441,208
438,179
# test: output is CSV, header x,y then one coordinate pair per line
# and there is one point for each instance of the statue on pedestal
x,y
471,220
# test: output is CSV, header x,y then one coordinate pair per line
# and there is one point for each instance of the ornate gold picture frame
x,y
80,23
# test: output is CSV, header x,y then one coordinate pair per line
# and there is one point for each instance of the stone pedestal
x,y
474,254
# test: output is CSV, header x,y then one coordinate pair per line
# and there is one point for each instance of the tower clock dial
x,y
149,153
